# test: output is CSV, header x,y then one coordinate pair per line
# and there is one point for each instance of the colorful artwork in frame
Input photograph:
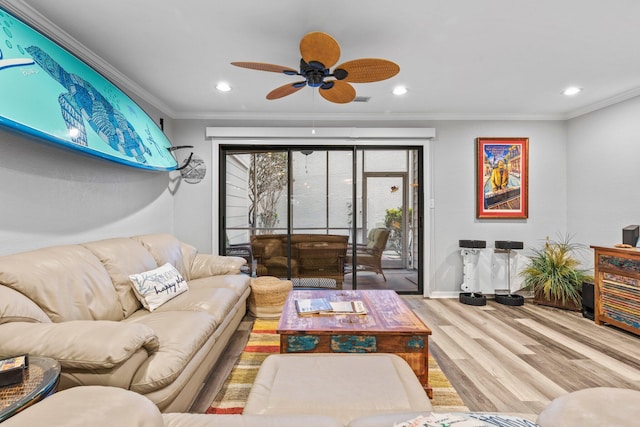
x,y
50,94
502,177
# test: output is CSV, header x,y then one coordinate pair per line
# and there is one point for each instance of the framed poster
x,y
50,94
502,177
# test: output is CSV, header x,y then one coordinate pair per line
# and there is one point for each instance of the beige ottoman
x,y
268,295
344,386
593,407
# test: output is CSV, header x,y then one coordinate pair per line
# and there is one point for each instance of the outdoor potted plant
x,y
554,275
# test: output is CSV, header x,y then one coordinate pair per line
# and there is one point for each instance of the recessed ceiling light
x,y
399,90
573,90
223,87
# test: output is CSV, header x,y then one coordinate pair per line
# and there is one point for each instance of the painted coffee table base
x,y
389,326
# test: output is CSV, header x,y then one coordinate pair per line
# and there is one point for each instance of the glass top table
x,y
40,380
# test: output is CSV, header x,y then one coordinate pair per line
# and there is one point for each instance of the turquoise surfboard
x,y
50,94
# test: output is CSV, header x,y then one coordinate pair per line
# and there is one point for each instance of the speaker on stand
x,y
470,253
588,303
506,246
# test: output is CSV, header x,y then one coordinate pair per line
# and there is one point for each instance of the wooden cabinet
x,y
617,287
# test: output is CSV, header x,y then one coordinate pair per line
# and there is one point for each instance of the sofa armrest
x,y
95,406
205,265
78,344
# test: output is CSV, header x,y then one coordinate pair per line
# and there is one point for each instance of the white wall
x,y
51,196
604,172
193,202
454,192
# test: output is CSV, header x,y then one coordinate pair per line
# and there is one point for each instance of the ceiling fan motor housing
x,y
314,72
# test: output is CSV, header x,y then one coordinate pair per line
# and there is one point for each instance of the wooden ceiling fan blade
x,y
368,70
320,47
285,90
341,92
261,66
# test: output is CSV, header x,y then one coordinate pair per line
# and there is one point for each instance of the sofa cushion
x,y
79,344
15,307
238,283
345,385
155,287
181,335
66,282
165,248
95,406
217,302
593,407
189,254
122,257
215,265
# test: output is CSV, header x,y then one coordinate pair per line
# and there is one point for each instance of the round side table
x,y
40,380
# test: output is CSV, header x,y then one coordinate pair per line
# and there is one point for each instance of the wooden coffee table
x,y
388,327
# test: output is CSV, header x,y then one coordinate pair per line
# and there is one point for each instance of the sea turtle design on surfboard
x,y
82,102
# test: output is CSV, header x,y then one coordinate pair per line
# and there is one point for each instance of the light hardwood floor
x,y
506,359
517,359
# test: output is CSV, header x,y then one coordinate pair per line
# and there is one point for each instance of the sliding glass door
x,y
328,217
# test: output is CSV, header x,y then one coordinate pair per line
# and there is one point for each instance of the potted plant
x,y
554,275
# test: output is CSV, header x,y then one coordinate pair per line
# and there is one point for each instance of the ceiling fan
x,y
320,52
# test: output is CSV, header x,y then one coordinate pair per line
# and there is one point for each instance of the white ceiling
x,y
458,58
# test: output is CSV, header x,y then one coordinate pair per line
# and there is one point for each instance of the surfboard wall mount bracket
x,y
178,147
194,169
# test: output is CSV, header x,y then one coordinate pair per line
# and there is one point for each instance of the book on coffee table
x,y
313,305
324,306
346,307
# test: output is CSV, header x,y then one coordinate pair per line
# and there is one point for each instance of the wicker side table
x,y
40,380
268,295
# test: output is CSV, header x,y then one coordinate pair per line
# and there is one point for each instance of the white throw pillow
x,y
155,287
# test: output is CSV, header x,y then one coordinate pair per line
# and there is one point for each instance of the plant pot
x,y
539,298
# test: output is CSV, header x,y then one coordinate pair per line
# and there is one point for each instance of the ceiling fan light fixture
x,y
223,87
399,90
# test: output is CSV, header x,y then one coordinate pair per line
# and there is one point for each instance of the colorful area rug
x,y
264,341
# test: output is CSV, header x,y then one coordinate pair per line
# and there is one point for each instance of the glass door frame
x,y
289,149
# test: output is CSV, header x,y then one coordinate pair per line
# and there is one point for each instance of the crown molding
x,y
368,117
602,104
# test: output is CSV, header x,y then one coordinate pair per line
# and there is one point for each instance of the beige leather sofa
x,y
75,304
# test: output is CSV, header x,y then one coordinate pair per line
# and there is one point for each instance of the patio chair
x,y
369,255
242,250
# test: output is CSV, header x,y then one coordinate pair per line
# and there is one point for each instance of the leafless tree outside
x,y
267,183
